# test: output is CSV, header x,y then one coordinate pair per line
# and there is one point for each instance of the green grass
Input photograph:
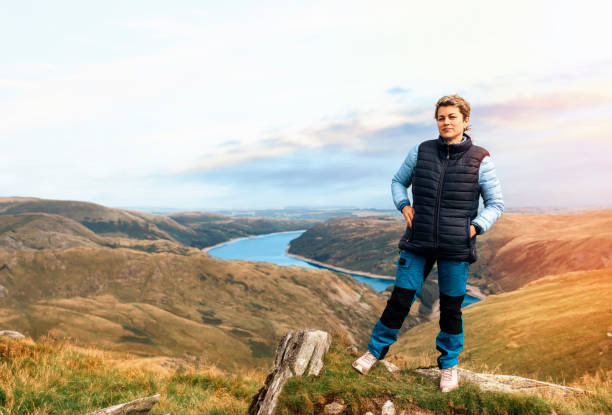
x,y
409,390
51,377
59,378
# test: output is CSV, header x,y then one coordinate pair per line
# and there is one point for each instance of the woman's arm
x,y
403,178
490,188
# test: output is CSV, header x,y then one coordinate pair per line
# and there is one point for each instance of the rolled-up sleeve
x,y
491,191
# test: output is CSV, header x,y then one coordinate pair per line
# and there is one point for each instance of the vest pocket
x,y
468,224
410,231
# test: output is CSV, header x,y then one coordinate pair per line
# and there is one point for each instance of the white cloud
x,y
275,78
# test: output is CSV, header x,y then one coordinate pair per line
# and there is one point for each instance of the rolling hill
x,y
231,313
34,231
558,327
519,248
191,229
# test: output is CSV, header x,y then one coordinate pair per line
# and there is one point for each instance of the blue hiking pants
x,y
452,280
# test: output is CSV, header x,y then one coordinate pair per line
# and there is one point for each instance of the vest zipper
x,y
438,199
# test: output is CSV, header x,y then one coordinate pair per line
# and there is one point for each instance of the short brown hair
x,y
457,101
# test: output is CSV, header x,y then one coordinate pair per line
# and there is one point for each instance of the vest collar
x,y
460,147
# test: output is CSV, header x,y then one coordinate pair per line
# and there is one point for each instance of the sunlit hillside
x,y
521,248
518,248
558,327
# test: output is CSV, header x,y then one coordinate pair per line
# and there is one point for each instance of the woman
x,y
448,175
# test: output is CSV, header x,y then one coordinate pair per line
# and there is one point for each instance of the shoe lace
x,y
370,359
447,374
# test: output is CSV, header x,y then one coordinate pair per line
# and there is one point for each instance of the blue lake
x,y
271,248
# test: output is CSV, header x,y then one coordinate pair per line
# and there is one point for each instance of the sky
x,y
205,105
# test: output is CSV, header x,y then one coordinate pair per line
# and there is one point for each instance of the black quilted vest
x,y
445,195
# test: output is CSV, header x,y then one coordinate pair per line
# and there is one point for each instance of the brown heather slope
x,y
101,219
33,231
521,248
230,313
557,327
518,248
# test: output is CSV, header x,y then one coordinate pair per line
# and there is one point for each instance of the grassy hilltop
x,y
51,377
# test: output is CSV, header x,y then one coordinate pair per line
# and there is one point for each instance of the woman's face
x,y
451,123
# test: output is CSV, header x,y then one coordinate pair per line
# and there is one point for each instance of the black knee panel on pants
x,y
398,307
450,314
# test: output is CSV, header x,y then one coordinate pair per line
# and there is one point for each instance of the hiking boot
x,y
449,379
365,363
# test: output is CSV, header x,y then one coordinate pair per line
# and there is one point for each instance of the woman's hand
x,y
472,231
408,212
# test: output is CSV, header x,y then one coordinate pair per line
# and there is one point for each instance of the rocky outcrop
x,y
137,407
302,352
298,352
510,384
11,333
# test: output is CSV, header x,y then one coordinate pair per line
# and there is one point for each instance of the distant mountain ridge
x,y
181,228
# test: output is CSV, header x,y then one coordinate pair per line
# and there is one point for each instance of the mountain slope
x,y
518,248
213,228
100,219
557,327
192,229
230,312
32,231
522,248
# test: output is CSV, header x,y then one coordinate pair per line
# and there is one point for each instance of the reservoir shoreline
x,y
471,290
208,248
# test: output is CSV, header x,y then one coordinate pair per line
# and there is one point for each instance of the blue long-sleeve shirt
x,y
490,189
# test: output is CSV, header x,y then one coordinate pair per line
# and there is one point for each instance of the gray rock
x,y
3,291
13,334
298,352
333,408
352,349
510,384
388,408
137,407
390,366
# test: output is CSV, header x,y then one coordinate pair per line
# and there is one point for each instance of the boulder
x,y
136,407
298,352
13,334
